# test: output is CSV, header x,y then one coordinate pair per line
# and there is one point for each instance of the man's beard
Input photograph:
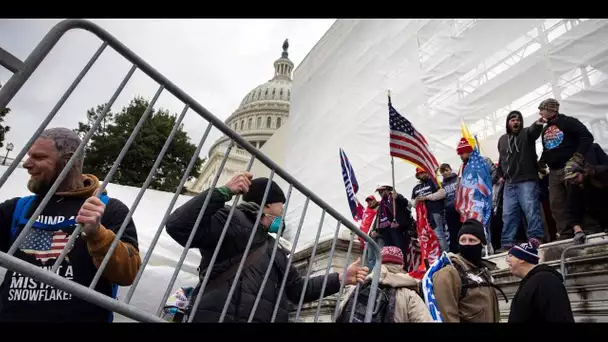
x,y
39,187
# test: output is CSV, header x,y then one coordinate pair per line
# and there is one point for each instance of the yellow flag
x,y
466,133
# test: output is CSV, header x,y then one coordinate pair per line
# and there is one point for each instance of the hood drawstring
x,y
512,140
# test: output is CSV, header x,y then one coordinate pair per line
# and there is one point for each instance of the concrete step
x,y
586,278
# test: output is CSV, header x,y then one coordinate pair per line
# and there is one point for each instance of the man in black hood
x,y
182,221
541,296
518,168
566,142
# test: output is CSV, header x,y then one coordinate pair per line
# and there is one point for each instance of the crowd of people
x,y
571,175
556,196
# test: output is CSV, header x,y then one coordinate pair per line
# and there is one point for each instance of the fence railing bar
x,y
60,28
51,114
342,283
161,226
80,291
10,62
106,181
220,241
575,247
67,168
375,280
194,229
272,257
310,264
290,260
329,262
247,247
144,187
358,286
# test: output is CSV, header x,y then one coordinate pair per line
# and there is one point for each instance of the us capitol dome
x,y
261,112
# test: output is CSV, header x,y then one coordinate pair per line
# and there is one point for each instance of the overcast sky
x,y
217,62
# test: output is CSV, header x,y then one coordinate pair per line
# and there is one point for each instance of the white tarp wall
x,y
438,71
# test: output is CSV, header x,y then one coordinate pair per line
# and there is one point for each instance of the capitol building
x,y
263,110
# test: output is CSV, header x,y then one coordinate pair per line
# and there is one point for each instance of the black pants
x,y
452,219
395,237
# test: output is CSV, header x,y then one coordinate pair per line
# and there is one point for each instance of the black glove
x,y
579,238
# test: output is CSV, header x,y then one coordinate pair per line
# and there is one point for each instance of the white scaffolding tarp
x,y
439,72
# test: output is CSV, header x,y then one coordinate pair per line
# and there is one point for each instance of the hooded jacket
x,y
409,306
25,299
180,225
517,152
541,298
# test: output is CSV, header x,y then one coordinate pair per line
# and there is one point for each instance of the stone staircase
x,y
586,280
586,277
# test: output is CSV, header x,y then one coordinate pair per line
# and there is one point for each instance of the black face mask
x,y
471,252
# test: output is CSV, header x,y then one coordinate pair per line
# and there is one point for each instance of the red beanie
x,y
419,170
392,255
464,147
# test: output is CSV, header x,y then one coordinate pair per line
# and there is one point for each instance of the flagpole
x,y
388,94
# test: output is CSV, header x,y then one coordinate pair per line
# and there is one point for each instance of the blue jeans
x,y
371,255
441,231
524,195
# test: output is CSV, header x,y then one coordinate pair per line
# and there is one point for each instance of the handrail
x,y
575,247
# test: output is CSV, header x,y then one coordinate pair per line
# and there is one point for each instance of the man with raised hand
x,y
182,221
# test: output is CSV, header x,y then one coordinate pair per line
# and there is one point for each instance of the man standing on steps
x,y
566,142
27,300
452,216
427,191
369,215
394,220
541,296
181,223
519,170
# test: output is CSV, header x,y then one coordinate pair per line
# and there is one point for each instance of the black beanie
x,y
475,228
256,192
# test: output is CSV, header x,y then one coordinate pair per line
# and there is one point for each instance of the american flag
x,y
44,244
474,194
407,143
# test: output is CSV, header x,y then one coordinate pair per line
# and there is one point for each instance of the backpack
x,y
384,308
19,219
468,283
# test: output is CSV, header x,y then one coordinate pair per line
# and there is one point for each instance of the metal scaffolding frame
x,y
22,72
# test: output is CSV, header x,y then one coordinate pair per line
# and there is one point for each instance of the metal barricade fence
x,y
22,72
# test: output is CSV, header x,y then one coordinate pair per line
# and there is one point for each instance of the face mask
x,y
275,225
471,252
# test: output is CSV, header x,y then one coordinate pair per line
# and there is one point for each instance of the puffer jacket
x,y
179,226
480,304
409,306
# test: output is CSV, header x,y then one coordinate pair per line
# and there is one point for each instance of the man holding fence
x,y
75,202
238,231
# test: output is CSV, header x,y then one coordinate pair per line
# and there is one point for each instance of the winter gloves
x,y
579,238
